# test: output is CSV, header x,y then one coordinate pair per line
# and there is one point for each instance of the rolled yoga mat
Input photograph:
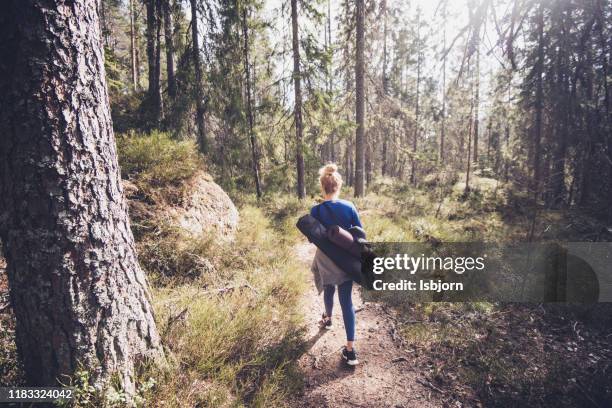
x,y
340,237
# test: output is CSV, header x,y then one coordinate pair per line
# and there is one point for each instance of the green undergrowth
x,y
227,308
397,212
233,334
492,354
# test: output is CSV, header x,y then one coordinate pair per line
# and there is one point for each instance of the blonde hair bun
x,y
331,180
328,169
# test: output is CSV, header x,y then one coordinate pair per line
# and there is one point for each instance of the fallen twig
x,y
429,385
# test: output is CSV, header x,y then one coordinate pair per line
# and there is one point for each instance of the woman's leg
x,y
348,311
328,299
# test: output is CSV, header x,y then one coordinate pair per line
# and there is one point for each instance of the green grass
x,y
484,353
227,310
156,161
156,158
243,325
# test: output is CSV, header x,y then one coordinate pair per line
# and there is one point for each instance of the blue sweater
x,y
336,212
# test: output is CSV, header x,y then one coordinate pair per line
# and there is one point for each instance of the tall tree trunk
x,y
539,96
489,126
413,159
443,125
133,59
247,73
197,68
150,33
507,160
507,130
385,79
385,84
169,39
477,100
331,149
368,160
383,169
297,110
469,141
605,55
154,99
159,107
79,295
360,141
558,188
469,164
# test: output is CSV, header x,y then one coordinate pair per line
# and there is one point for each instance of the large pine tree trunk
x,y
133,59
443,126
299,155
561,125
197,67
249,101
477,100
360,141
385,78
159,102
150,33
154,98
417,106
168,38
539,106
331,148
79,296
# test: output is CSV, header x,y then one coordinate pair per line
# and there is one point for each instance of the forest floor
x,y
384,377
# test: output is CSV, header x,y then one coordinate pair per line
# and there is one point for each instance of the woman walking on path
x,y
334,211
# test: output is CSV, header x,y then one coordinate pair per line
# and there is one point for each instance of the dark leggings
x,y
346,303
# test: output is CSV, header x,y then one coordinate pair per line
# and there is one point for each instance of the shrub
x,y
155,159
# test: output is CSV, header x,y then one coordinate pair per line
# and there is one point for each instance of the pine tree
x,y
79,296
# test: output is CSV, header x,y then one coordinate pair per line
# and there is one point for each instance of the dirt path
x,y
385,376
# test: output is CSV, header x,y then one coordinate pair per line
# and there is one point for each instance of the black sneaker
x,y
325,322
350,356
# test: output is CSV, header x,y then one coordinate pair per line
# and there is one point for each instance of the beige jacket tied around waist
x,y
326,272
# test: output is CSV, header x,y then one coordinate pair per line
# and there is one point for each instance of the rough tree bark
x,y
79,296
197,67
297,111
360,141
